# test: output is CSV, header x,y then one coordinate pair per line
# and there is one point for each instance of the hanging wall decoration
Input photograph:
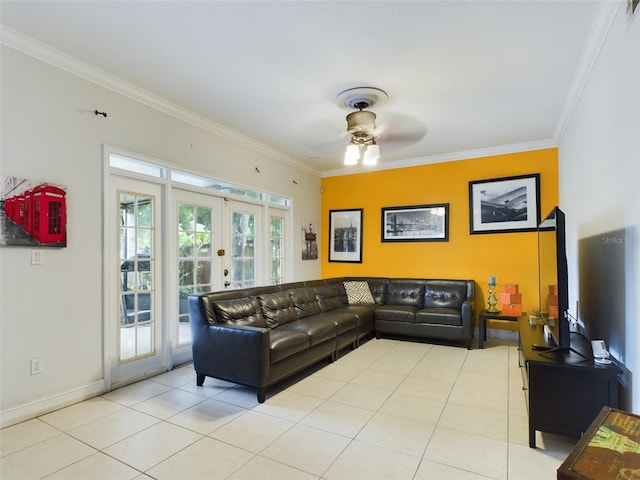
x,y
416,223
345,235
309,241
509,204
32,213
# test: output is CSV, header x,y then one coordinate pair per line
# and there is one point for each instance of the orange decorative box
x,y
510,288
553,311
510,297
553,289
552,300
514,309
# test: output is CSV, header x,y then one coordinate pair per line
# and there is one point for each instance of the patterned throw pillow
x,y
358,293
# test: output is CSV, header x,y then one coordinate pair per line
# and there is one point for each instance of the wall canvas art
x,y
309,241
32,213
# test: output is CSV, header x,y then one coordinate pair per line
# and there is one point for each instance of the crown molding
x,y
45,53
446,157
599,30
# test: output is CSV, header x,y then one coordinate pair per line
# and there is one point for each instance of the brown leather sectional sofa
x,y
262,335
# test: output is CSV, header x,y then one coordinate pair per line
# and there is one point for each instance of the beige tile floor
x,y
388,410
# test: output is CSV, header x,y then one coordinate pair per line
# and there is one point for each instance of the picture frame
x,y
503,205
345,235
416,223
33,214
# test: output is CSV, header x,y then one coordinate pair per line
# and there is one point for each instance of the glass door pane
x,y
243,245
137,272
276,258
195,259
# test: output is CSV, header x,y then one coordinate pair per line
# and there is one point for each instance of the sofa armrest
x,y
467,316
467,308
237,353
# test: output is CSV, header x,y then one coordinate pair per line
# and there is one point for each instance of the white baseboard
x,y
40,407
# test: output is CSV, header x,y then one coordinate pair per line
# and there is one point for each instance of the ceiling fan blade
x,y
324,134
400,128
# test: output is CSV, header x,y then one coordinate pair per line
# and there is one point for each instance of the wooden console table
x,y
565,392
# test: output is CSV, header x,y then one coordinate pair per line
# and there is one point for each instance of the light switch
x,y
36,257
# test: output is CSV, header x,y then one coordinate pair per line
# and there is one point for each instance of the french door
x,y
243,245
134,303
165,238
196,267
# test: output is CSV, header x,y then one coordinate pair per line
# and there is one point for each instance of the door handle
x,y
225,272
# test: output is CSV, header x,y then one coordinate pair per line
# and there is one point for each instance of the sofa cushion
x,y
241,311
441,316
304,301
398,313
378,288
327,297
277,308
317,328
284,343
407,292
358,293
343,320
363,314
342,293
444,294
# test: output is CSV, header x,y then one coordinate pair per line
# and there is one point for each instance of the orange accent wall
x,y
510,257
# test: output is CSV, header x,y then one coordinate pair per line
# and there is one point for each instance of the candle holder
x,y
492,300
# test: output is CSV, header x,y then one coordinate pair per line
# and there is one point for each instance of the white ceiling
x,y
461,75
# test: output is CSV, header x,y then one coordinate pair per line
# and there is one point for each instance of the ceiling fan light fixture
x,y
371,155
361,124
352,154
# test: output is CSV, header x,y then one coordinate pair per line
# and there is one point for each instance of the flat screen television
x,y
553,278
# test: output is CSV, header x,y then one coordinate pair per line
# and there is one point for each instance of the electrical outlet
x,y
36,366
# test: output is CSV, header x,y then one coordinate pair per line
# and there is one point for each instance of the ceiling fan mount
x,y
361,97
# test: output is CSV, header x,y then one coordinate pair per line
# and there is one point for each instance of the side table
x,y
482,323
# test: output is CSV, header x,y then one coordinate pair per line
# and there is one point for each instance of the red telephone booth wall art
x,y
32,213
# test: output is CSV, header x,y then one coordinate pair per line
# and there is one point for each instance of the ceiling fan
x,y
365,130
361,124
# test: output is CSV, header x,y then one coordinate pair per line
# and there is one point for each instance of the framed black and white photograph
x,y
345,235
417,223
509,204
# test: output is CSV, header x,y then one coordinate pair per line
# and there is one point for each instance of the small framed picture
x,y
417,223
345,235
509,204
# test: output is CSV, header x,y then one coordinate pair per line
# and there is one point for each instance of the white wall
x,y
599,166
50,133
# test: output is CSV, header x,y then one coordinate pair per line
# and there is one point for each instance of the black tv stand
x,y
556,381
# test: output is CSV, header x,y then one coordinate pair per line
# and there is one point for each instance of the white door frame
x,y
121,373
